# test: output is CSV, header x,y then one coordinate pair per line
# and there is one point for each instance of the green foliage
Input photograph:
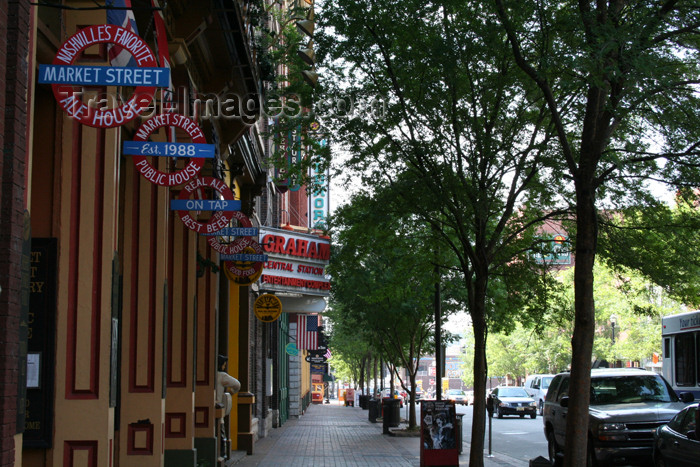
x,y
297,143
382,279
545,346
661,243
496,115
620,82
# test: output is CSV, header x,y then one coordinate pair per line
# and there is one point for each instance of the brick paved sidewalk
x,y
332,435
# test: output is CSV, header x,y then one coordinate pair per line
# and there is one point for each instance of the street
x,y
520,438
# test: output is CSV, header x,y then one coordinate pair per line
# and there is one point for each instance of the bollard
x,y
490,436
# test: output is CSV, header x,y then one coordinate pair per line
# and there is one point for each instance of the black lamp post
x,y
613,321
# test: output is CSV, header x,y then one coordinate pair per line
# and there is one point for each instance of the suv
x,y
536,387
626,406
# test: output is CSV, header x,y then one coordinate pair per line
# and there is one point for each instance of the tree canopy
x,y
381,277
488,117
620,82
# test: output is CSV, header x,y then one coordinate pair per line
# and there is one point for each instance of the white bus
x,y
681,359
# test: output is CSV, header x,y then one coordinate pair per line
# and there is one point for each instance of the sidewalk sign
x,y
438,434
350,397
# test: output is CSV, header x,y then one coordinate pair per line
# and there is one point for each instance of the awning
x,y
304,304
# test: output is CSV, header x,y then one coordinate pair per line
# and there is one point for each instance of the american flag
x,y
118,56
328,354
307,332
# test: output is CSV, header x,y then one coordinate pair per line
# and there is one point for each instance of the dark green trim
x,y
206,451
181,458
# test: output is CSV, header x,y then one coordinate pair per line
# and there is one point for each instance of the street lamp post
x,y
613,321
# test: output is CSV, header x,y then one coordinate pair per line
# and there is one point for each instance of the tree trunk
x,y
412,395
576,447
362,374
478,315
376,388
392,370
368,367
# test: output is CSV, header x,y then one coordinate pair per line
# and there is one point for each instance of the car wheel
x,y
522,416
553,449
533,415
500,414
659,460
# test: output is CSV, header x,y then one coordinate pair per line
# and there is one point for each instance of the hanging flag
x,y
307,332
328,354
166,95
121,16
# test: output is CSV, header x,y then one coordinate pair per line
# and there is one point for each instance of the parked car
x,y
626,406
456,395
536,386
511,400
678,442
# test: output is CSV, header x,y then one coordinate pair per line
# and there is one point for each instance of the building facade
x,y
114,307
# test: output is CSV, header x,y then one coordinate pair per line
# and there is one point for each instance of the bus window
x,y
685,359
697,360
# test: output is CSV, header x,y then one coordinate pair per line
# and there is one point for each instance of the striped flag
x,y
328,354
307,332
118,56
166,95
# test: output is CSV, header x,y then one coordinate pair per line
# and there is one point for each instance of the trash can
x,y
363,402
373,407
391,411
458,431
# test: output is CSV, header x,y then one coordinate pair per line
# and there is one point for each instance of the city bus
x,y
681,347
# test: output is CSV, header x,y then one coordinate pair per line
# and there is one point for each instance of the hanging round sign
x,y
190,170
219,220
143,77
243,281
234,247
245,268
267,308
291,349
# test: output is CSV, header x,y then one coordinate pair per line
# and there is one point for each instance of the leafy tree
x,y
351,345
457,137
379,271
619,80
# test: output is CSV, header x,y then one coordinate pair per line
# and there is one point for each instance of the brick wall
x,y
14,25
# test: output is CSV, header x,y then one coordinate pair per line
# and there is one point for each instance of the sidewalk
x,y
332,435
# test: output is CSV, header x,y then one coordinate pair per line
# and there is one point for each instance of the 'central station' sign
x,y
296,262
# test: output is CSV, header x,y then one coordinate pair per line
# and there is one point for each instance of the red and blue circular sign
x,y
93,114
